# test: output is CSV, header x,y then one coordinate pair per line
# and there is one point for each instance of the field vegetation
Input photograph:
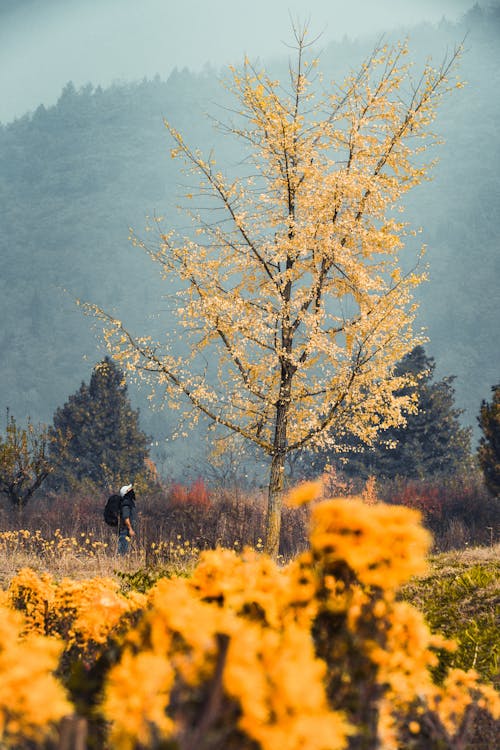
x,y
195,636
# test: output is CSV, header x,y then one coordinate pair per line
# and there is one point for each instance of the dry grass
x,y
86,556
67,566
68,561
94,554
454,561
67,537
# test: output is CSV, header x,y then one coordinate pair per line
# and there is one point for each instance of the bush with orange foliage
x,y
196,495
447,503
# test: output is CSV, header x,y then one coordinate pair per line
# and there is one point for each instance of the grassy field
x,y
460,597
86,556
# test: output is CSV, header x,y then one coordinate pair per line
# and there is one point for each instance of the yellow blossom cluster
x,y
384,547
178,553
232,620
81,612
31,699
452,702
137,695
35,544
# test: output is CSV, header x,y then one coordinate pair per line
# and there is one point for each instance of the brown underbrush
x,y
65,534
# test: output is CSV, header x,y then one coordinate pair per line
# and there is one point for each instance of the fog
x,y
46,43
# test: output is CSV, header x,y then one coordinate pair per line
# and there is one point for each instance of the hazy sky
x,y
46,43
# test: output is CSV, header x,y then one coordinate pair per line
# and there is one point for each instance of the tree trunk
x,y
275,504
19,506
277,473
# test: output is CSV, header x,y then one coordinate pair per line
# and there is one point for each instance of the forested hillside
x,y
76,176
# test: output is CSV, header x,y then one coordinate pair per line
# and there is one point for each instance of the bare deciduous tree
x,y
24,461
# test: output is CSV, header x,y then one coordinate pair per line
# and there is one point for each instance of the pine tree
x,y
489,444
431,443
106,445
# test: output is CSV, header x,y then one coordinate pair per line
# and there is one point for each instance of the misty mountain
x,y
74,177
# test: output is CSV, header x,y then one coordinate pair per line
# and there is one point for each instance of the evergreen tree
x,y
489,444
431,443
96,434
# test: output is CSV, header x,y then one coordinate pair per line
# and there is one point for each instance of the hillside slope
x,y
75,177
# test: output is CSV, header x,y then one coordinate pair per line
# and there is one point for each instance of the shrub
x,y
457,510
198,494
178,494
31,699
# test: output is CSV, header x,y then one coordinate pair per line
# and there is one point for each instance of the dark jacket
x,y
128,510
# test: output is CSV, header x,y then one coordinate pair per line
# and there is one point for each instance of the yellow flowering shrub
x,y
383,545
359,556
32,594
80,612
461,692
137,696
89,611
228,626
302,656
279,684
31,699
250,584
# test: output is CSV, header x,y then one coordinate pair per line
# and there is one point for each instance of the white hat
x,y
125,489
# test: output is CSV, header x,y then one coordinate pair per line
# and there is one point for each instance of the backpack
x,y
112,509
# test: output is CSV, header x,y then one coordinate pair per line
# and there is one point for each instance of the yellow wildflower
x,y
136,698
304,493
384,545
31,699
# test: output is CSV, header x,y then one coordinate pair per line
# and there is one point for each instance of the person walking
x,y
128,519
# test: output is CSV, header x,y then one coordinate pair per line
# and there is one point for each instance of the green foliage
x,y
96,434
461,601
142,579
489,446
